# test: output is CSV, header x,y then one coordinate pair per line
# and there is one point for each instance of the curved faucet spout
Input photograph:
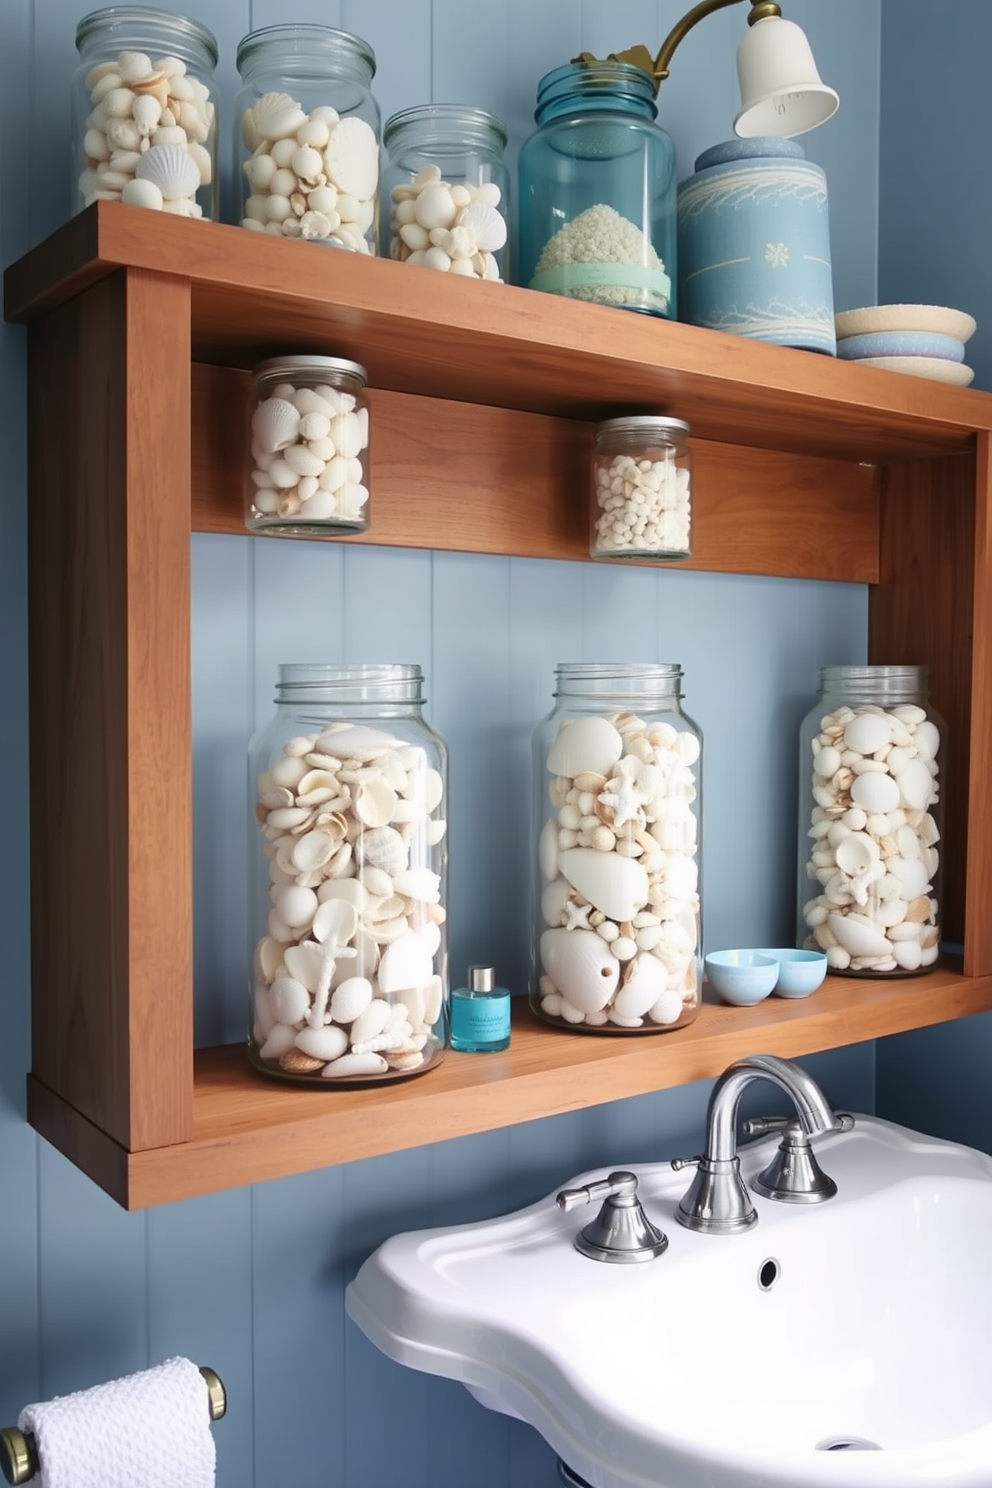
x,y
812,1108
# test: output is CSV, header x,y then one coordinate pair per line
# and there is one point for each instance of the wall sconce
x,y
781,90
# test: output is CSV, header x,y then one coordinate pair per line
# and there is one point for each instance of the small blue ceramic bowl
x,y
742,977
900,343
799,972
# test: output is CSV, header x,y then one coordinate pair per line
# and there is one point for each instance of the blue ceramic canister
x,y
754,245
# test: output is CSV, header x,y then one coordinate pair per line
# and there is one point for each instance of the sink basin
x,y
846,1343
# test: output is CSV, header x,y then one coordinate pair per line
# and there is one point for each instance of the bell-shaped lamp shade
x,y
781,91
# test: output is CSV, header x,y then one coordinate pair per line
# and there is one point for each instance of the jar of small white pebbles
x,y
445,190
309,448
641,479
597,191
144,120
616,919
348,793
307,135
870,822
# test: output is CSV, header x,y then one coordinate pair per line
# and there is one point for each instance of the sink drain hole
x,y
847,1444
768,1274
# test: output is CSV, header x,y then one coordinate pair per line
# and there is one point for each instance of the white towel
x,y
148,1430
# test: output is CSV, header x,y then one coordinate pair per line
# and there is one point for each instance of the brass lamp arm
x,y
758,12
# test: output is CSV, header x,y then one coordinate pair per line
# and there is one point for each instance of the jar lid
x,y
444,122
312,42
757,147
312,363
164,26
642,423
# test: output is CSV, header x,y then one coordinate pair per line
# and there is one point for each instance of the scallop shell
x,y
384,848
352,158
173,170
406,962
486,225
588,745
275,424
616,885
276,116
581,966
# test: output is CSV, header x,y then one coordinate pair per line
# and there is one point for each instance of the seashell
x,y
303,461
616,885
352,159
487,226
668,1008
172,169
405,1059
553,901
146,112
276,116
305,962
324,1043
644,984
547,849
911,874
856,853
335,921
279,1042
590,745
355,1064
313,850
138,193
581,966
868,732
289,1000
374,802
350,998
433,208
355,741
384,848
419,883
858,936
406,962
348,889
296,1062
270,954
275,424
371,1021
915,785
876,793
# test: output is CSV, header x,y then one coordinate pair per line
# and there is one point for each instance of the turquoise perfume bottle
x,y
480,1013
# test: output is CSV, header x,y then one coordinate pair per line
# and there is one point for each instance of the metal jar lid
x,y
311,364
642,423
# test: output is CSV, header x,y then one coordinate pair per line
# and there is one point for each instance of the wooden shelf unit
x,y
141,330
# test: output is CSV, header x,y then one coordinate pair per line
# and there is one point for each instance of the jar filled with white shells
x,y
307,132
348,952
641,488
445,191
144,116
872,753
617,924
309,470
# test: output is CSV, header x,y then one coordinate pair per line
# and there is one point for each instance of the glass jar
x,y
597,190
144,122
641,481
870,822
445,190
349,980
307,135
309,448
617,924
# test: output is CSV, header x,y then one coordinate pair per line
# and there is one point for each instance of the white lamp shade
x,y
781,91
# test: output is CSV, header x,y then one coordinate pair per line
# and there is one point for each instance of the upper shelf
x,y
435,335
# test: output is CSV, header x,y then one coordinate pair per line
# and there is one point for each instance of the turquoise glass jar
x,y
597,191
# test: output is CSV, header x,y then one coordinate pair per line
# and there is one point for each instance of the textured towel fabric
x,y
148,1430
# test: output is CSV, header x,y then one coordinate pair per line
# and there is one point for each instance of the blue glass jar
x,y
597,191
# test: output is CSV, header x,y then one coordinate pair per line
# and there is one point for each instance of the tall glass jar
x,y
641,488
307,135
445,190
870,821
348,791
597,191
616,917
144,122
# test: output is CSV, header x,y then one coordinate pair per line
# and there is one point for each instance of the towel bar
x,y
19,1455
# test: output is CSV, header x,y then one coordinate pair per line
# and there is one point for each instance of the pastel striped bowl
x,y
901,343
939,318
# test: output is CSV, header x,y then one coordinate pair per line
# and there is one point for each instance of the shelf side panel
x,y
922,612
110,707
978,864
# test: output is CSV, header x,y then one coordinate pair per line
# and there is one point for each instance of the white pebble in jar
x,y
456,229
641,489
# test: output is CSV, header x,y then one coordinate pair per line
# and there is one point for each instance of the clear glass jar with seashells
x,y
307,130
617,925
445,191
144,117
871,754
349,978
310,467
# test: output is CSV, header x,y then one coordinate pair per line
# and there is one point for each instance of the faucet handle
x,y
621,1231
793,1175
761,1126
678,1163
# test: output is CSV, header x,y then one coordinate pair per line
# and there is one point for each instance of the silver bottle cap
x,y
481,978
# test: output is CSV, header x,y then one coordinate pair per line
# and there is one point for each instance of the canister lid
x,y
642,423
312,364
757,147
481,978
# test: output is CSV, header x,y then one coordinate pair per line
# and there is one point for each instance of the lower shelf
x,y
247,1129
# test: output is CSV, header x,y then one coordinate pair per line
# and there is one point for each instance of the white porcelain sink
x,y
730,1361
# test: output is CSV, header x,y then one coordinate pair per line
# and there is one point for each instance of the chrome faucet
x,y
717,1202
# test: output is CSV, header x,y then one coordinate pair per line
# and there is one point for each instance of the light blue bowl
x,y
900,343
742,978
799,972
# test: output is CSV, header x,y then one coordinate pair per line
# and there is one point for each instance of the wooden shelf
x,y
805,467
247,1128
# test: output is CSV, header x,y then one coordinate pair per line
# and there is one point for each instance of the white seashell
x,y
305,962
270,954
303,461
858,936
868,732
668,1008
433,208
172,169
276,116
587,745
915,785
313,850
275,424
377,881
374,802
335,921
616,885
352,159
295,906
911,874
486,225
908,954
139,193
350,998
134,67
370,1022
326,1042
644,985
405,962
581,966
289,1000
355,1064
419,883
856,853
146,112
279,1042
547,849
875,792
553,901
383,847
355,741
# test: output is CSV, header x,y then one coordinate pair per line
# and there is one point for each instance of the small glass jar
x,y
307,135
144,120
309,448
597,191
870,822
617,930
349,980
641,482
445,190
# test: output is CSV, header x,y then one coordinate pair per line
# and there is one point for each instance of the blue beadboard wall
x,y
252,1281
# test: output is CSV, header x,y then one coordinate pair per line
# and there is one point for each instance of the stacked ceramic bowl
x,y
921,340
